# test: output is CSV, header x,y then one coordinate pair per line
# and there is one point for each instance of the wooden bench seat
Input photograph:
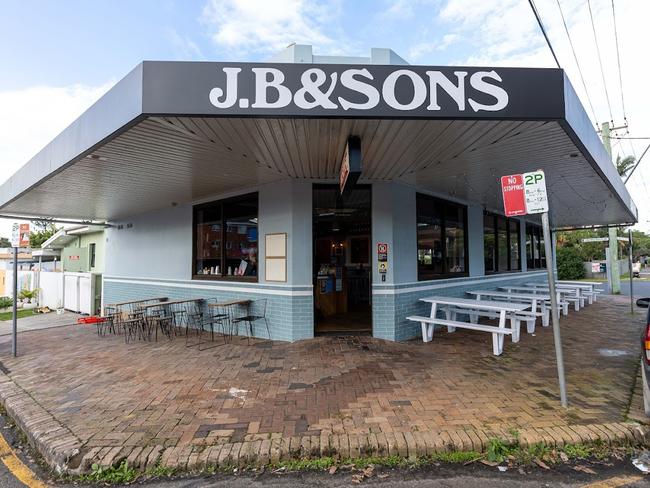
x,y
428,323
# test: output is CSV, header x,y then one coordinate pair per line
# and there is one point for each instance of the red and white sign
x,y
20,235
382,248
524,194
514,201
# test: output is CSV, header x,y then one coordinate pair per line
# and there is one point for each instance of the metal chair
x,y
256,310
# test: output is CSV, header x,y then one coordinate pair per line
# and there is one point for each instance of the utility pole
x,y
612,263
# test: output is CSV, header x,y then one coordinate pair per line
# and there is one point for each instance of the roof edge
x,y
116,110
580,129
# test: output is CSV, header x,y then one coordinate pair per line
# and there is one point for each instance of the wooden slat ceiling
x,y
168,159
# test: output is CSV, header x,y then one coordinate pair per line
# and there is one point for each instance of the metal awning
x,y
157,139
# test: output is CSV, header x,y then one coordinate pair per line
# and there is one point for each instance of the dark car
x,y
645,356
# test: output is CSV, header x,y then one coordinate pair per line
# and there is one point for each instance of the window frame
x,y
495,227
221,203
535,230
443,205
92,252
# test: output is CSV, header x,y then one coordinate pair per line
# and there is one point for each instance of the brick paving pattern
x,y
348,396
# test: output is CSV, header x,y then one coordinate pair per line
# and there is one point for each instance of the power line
x,y
584,85
631,138
541,26
600,61
618,59
637,164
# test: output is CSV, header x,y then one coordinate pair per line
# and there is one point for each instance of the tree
x,y
623,165
4,242
42,231
569,264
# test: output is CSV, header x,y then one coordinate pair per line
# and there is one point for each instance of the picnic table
x,y
583,291
504,311
564,295
535,299
592,293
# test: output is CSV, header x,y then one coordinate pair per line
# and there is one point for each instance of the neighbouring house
x,y
82,248
339,189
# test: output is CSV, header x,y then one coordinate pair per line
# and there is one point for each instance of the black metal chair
x,y
256,310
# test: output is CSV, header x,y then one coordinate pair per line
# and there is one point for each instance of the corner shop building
x,y
222,180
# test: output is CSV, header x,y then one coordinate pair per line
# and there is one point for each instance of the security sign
x,y
382,257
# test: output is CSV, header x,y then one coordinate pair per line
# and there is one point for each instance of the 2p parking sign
x,y
524,193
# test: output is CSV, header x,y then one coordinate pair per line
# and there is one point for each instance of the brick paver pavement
x,y
345,396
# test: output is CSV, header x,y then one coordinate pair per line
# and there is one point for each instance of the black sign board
x,y
350,165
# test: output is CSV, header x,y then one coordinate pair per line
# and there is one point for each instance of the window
x,y
535,253
91,251
225,239
442,238
500,244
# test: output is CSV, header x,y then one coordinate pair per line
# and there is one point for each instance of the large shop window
x,y
225,239
535,253
442,238
500,244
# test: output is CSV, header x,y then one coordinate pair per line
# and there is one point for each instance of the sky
x,y
60,57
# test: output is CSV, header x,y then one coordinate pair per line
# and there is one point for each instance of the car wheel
x,y
646,390
643,302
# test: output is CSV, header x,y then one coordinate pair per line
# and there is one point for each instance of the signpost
x,y
350,164
531,189
382,259
19,238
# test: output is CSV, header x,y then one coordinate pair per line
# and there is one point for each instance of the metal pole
x,y
615,277
629,237
14,330
548,248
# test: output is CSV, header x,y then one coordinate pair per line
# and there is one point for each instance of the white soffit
x,y
162,160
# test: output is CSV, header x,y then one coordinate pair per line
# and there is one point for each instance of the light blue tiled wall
x,y
391,308
290,317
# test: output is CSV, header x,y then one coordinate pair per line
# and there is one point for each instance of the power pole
x,y
612,263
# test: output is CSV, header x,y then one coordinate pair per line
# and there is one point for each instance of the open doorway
x,y
342,256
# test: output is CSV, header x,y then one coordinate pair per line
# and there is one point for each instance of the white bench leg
x,y
451,315
545,316
497,339
565,308
427,332
473,317
576,305
590,299
530,326
515,325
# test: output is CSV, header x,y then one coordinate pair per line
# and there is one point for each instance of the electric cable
x,y
541,26
582,78
600,60
618,60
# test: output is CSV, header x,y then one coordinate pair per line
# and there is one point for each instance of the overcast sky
x,y
59,57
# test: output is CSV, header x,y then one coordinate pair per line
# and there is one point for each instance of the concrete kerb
x,y
59,446
53,440
64,452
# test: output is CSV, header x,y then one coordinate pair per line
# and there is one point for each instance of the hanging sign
x,y
350,164
20,235
524,193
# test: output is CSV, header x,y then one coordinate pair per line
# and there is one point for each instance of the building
x,y
221,180
81,248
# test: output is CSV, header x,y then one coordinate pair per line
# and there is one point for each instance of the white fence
x,y
76,292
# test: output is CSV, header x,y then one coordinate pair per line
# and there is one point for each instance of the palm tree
x,y
623,165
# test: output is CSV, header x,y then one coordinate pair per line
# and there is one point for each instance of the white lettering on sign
x,y
535,192
316,89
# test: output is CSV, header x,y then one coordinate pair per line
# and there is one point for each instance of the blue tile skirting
x,y
290,308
